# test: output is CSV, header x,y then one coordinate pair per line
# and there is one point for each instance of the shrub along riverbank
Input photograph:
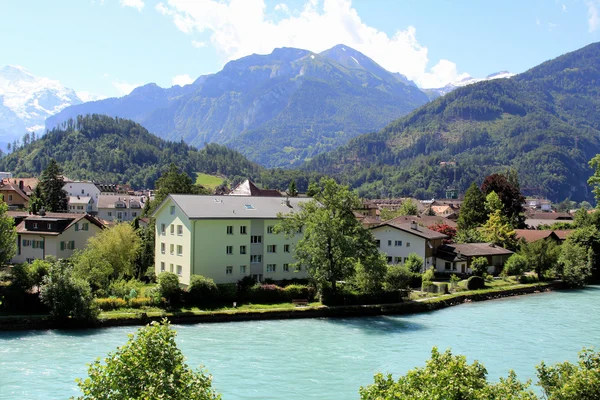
x,y
273,311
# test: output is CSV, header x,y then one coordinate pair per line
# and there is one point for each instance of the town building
x,y
398,240
120,207
457,258
83,196
248,188
56,234
225,238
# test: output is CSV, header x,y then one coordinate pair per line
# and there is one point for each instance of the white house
x,y
225,238
121,207
457,257
83,196
398,240
56,234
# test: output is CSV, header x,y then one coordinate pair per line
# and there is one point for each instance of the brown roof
x,y
533,235
74,218
414,229
14,188
475,249
28,183
248,188
424,220
552,215
563,233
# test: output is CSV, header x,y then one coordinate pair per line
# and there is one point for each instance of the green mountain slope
x,y
544,122
116,150
277,109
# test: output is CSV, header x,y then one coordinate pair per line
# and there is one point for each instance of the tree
x,y
292,191
511,198
472,212
36,201
479,266
168,285
469,236
333,240
109,255
66,295
446,230
408,207
448,377
594,180
8,234
566,381
414,262
51,185
515,265
541,255
574,263
145,259
148,366
497,230
398,277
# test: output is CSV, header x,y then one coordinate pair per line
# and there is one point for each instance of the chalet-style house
x,y
225,238
56,234
16,192
398,240
457,257
248,188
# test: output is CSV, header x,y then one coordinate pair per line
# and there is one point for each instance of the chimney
x,y
413,225
21,185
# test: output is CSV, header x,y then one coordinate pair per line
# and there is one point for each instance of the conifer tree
x,y
472,211
51,185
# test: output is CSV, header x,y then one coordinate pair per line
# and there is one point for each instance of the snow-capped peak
x,y
469,80
31,99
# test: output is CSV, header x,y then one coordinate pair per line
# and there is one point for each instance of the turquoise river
x,y
323,358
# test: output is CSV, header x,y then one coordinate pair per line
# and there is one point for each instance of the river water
x,y
324,358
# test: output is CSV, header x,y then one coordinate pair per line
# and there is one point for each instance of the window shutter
x,y
62,245
76,227
72,244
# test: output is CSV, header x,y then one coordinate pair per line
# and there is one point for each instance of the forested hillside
x,y
116,150
545,123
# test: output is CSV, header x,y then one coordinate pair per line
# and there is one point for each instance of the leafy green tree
x,y
447,377
51,185
511,198
541,255
497,230
333,240
567,381
66,295
408,207
594,180
515,265
370,280
148,366
472,212
168,285
469,236
109,255
8,234
292,190
36,201
398,277
202,289
414,263
145,258
574,263
479,266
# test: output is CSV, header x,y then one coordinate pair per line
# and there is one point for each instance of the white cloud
x,y
87,96
564,8
198,44
593,15
138,4
125,88
182,80
241,27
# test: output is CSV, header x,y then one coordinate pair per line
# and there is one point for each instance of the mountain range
x,y
543,123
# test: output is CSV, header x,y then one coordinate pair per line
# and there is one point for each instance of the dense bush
x,y
475,283
297,291
265,294
168,286
110,303
122,288
227,292
515,265
479,266
139,302
528,279
398,277
349,297
201,290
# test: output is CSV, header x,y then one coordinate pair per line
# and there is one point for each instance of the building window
x,y
229,229
26,243
85,226
179,230
10,197
389,242
407,244
134,214
397,260
162,266
110,215
271,248
447,265
229,250
172,210
405,259
378,243
255,258
286,267
389,260
172,249
242,230
271,267
179,270
398,243
242,269
170,267
229,270
163,229
297,268
179,250
270,229
172,228
286,248
255,239
242,249
162,248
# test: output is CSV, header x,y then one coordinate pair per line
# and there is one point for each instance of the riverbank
x,y
42,322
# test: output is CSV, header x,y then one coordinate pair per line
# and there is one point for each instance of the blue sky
x,y
108,47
